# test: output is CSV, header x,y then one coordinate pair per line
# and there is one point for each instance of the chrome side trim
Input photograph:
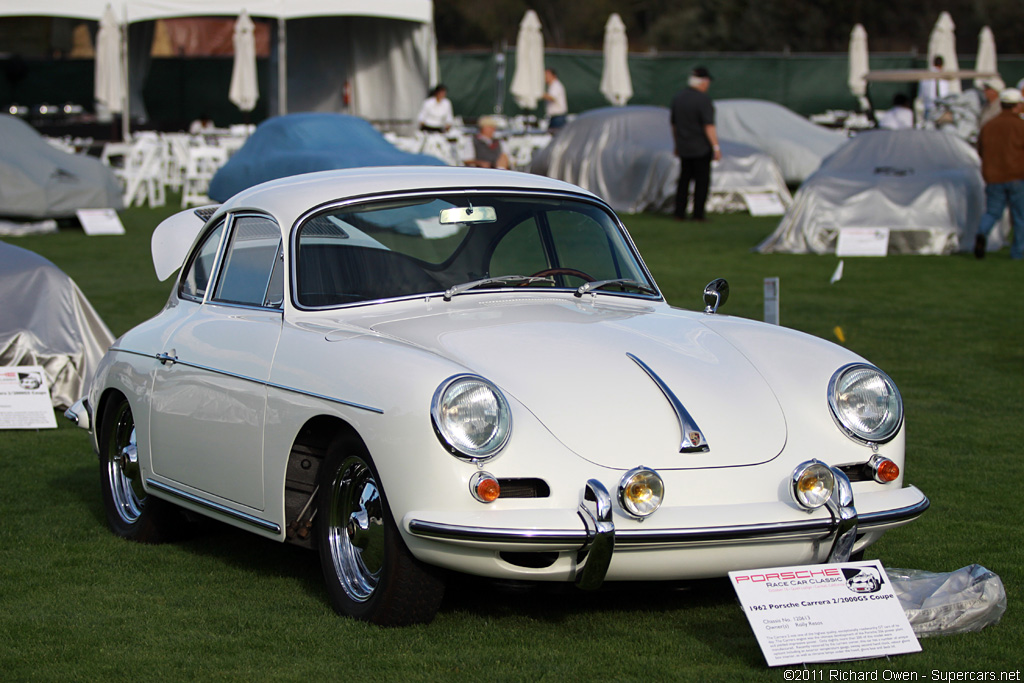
x,y
692,438
163,358
216,507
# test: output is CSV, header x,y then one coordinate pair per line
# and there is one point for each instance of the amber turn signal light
x,y
484,487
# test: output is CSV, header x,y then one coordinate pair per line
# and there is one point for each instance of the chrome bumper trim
x,y
454,532
905,514
215,507
594,559
80,413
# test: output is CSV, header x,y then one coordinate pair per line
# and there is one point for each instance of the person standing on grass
x,y
696,142
557,102
1001,145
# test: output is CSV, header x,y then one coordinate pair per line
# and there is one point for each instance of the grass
x,y
80,604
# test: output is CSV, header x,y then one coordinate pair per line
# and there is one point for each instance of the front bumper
x,y
596,541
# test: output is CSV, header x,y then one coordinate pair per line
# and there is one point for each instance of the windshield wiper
x,y
499,280
624,282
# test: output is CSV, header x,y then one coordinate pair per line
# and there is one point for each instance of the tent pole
x,y
282,67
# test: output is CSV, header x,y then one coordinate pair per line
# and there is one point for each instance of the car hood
x,y
567,363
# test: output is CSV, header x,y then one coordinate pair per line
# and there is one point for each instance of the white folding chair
x,y
203,163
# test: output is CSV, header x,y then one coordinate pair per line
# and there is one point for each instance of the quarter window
x,y
250,261
200,270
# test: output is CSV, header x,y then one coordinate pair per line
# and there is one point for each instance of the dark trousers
x,y
698,170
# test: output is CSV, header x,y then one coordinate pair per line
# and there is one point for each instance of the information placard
x,y
764,203
863,242
100,222
824,613
25,399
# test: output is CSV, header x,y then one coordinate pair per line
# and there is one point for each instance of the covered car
x,y
47,321
472,369
304,143
625,155
796,144
924,186
39,181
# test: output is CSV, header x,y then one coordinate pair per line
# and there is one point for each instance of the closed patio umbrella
x,y
986,60
244,90
942,43
109,84
858,66
616,83
528,80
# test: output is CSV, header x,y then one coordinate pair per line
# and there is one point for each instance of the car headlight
x,y
865,403
471,417
813,483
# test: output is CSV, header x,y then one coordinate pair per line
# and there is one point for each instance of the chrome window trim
x,y
834,411
246,518
190,260
508,191
226,242
164,358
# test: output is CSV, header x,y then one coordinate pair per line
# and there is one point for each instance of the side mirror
x,y
715,295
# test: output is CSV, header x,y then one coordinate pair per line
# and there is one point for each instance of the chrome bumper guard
x,y
596,554
80,413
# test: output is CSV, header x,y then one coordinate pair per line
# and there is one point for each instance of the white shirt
x,y
897,118
929,91
559,104
436,114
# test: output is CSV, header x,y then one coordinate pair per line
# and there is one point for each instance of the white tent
x,y
923,186
385,50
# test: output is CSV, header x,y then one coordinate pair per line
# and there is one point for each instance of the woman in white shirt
x,y
436,115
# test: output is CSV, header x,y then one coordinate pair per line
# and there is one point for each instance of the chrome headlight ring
x,y
865,403
471,417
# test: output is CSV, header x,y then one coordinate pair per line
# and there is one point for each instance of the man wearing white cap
x,y
1001,145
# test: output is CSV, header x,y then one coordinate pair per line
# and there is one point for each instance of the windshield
x,y
412,246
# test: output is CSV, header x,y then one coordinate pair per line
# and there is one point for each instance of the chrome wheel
x,y
356,532
123,474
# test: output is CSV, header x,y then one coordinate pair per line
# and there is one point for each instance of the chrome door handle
x,y
166,358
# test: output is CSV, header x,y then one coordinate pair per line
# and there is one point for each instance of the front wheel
x,y
131,513
370,574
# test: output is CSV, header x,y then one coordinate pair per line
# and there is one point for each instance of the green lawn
x,y
76,603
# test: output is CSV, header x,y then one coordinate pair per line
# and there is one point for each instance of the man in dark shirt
x,y
1001,145
696,142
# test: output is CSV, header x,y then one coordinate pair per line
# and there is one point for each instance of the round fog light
x,y
813,483
484,487
641,491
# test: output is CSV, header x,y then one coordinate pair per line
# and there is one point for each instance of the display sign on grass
x,y
863,242
25,399
100,222
824,613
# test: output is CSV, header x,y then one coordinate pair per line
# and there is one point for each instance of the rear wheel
x,y
370,574
131,513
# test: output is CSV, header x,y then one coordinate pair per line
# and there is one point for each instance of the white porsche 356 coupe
x,y
415,370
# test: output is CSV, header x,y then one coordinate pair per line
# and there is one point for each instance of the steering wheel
x,y
564,271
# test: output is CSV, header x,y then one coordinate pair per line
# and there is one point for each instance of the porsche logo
x,y
696,438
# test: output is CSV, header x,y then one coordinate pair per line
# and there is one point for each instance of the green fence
x,y
178,90
806,83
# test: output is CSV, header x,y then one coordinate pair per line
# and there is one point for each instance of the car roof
x,y
288,198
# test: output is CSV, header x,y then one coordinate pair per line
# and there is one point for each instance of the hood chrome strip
x,y
692,438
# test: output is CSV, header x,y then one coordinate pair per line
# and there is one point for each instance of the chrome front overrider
x,y
596,555
844,518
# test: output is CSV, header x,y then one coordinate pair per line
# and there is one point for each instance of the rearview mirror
x,y
469,214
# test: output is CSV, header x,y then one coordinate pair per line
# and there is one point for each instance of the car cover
x,y
925,186
304,143
47,321
626,156
38,180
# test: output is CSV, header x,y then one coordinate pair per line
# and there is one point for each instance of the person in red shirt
x,y
1001,145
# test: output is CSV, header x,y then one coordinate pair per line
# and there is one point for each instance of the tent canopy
x,y
420,11
385,50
